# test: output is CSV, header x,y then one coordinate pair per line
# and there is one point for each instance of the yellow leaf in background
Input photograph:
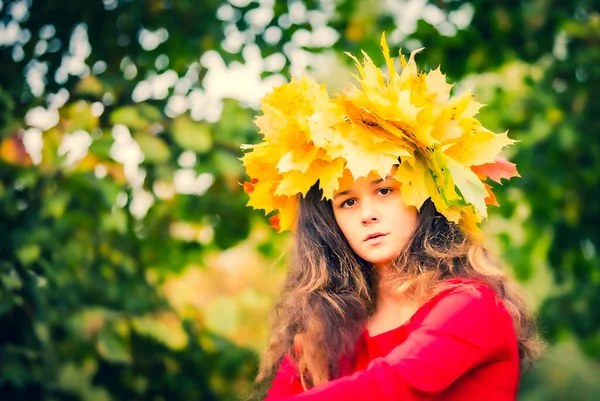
x,y
165,328
243,276
77,116
222,316
90,85
479,147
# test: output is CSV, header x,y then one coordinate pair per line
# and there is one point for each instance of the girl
x,y
390,293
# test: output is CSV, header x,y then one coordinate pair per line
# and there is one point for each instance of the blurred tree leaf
x,y
154,149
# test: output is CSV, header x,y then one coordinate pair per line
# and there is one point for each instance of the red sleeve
x,y
286,382
462,330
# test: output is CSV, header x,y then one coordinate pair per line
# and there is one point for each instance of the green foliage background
x,y
104,299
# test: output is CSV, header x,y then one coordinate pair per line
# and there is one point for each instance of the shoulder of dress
x,y
468,293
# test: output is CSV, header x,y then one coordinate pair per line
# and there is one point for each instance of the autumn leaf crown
x,y
406,119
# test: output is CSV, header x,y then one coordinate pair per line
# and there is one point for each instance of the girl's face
x,y
373,218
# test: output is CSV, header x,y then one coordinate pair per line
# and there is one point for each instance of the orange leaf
x,y
248,188
275,222
13,151
502,168
491,198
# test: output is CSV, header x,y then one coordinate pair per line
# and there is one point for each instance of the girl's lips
x,y
372,237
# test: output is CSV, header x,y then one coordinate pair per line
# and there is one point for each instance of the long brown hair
x,y
329,291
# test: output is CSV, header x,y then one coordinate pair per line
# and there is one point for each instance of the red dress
x,y
460,345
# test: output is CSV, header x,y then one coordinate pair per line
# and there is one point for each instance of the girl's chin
x,y
379,260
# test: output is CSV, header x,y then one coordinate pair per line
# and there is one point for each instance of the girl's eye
x,y
348,202
385,191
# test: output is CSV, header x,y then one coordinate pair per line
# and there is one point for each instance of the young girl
x,y
390,293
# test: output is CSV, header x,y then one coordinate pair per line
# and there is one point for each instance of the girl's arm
x,y
464,329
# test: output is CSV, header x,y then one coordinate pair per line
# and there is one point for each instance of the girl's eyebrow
x,y
346,192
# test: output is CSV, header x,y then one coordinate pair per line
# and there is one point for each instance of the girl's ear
x,y
298,345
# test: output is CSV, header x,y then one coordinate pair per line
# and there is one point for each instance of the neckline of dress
x,y
377,336
404,325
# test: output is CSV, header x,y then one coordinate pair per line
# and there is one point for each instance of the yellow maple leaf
x,y
413,177
479,147
288,213
297,159
330,174
262,196
436,85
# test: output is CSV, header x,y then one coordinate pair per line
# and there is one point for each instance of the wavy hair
x,y
330,292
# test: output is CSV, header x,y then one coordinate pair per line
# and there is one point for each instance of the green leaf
x,y
165,328
191,135
113,346
78,116
116,220
222,315
55,205
139,117
28,254
154,149
101,146
11,281
7,301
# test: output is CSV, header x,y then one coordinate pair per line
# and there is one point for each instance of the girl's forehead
x,y
349,183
